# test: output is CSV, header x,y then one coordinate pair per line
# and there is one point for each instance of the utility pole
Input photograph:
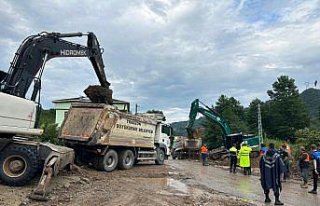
x,y
137,108
259,123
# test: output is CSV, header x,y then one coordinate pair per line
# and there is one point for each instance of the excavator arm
x,y
29,61
207,112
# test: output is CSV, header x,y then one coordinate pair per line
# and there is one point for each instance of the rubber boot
x,y
278,202
267,200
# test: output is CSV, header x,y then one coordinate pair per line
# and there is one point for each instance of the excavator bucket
x,y
99,94
56,159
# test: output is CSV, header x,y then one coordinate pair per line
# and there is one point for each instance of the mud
x,y
145,184
237,185
99,94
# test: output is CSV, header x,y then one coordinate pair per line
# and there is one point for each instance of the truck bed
x,y
100,124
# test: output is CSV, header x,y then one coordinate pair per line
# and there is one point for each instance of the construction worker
x,y
290,159
315,157
233,158
244,156
271,167
304,166
204,155
284,155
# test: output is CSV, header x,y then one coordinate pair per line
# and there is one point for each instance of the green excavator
x,y
229,138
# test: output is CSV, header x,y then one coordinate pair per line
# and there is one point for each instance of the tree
x,y
286,111
232,111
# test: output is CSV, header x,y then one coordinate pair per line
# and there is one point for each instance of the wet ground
x,y
179,182
245,187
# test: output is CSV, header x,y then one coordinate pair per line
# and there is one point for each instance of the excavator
x,y
229,139
22,155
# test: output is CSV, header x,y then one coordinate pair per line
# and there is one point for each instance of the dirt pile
x,y
99,94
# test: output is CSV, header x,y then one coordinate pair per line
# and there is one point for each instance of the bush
x,y
307,137
50,133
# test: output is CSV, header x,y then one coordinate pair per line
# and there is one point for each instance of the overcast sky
x,y
163,54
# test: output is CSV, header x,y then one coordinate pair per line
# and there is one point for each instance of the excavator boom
x,y
29,61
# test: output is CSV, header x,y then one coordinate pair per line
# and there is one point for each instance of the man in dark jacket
x,y
271,168
315,156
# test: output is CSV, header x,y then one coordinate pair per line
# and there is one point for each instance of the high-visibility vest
x,y
233,151
204,149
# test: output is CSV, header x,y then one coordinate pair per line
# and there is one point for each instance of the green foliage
x,y
311,98
307,137
47,116
213,135
284,115
231,110
50,133
286,112
47,123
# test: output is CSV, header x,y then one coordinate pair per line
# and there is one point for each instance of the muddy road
x,y
244,187
179,182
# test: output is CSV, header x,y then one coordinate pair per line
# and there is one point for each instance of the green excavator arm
x,y
207,112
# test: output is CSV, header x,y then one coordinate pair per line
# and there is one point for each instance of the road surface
x,y
238,185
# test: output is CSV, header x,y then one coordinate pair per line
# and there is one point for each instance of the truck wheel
x,y
160,156
108,162
215,156
18,164
126,159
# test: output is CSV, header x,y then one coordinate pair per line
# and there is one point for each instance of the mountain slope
x,y
311,98
179,128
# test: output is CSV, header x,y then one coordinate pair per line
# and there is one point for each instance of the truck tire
x,y
126,159
107,162
18,164
215,156
160,156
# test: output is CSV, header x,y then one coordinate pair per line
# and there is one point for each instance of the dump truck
x,y
108,139
22,155
184,147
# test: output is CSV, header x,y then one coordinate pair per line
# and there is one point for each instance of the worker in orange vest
x,y
204,155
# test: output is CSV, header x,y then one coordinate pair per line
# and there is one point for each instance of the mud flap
x,y
56,159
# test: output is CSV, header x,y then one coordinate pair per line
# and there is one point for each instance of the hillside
x,y
179,128
311,98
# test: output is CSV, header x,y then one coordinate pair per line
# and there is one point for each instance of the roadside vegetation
x,y
47,123
287,114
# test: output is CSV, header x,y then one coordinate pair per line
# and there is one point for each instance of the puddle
x,y
177,186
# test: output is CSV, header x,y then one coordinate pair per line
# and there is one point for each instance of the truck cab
x,y
162,138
